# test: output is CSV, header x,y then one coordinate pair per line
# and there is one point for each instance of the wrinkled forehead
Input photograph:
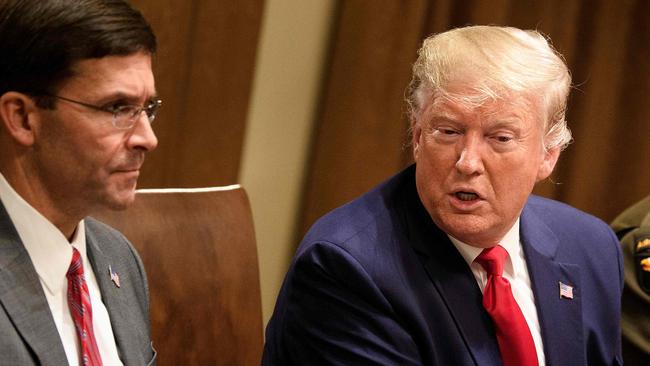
x,y
129,75
469,93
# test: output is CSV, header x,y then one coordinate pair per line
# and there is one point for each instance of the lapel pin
x,y
566,291
114,276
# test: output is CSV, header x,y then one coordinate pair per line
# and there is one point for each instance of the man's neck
x,y
40,199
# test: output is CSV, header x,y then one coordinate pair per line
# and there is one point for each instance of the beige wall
x,y
290,59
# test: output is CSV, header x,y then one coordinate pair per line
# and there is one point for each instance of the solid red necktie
x,y
513,335
81,311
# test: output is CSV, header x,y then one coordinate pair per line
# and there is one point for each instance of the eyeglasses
x,y
124,116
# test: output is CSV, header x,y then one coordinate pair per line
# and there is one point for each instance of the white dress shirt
x,y
51,254
515,270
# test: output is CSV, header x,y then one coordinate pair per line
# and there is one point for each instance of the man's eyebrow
x,y
126,96
508,117
505,122
443,114
511,124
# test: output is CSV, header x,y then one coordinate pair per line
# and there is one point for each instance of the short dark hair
x,y
40,40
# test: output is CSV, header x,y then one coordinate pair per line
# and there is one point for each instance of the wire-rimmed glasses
x,y
124,116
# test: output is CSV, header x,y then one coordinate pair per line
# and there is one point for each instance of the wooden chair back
x,y
198,248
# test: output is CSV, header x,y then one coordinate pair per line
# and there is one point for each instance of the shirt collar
x,y
48,248
510,242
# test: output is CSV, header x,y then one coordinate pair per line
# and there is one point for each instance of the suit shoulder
x,y
344,223
101,228
370,213
558,213
583,237
112,241
114,246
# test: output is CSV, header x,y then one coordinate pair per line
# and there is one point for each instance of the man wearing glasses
x,y
77,99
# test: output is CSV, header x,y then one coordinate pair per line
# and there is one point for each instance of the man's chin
x,y
470,229
121,201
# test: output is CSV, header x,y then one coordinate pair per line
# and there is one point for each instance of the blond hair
x,y
503,62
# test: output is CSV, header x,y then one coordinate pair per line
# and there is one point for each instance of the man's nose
x,y
142,137
470,160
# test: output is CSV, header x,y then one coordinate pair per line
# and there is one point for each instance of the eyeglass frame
x,y
132,118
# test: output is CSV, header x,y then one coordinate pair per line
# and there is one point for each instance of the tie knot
x,y
76,267
492,260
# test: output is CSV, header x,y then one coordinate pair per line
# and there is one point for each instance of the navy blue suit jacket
x,y
375,282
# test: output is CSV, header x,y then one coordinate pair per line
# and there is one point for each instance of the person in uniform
x,y
633,229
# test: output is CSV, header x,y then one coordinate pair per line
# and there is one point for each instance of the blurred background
x,y
301,101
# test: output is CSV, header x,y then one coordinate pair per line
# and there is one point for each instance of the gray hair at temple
x,y
500,62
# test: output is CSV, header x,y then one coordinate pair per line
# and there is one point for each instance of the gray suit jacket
x,y
28,335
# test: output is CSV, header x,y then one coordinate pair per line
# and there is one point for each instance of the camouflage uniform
x,y
633,229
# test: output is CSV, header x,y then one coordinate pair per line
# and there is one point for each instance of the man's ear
x,y
17,117
548,163
416,132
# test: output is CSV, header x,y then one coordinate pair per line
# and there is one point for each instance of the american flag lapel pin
x,y
114,276
566,291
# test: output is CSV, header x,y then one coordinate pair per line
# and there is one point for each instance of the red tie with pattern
x,y
81,311
514,338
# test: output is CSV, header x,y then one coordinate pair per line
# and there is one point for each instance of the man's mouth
x,y
128,170
466,196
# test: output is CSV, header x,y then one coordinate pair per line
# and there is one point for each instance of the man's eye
x,y
447,131
116,107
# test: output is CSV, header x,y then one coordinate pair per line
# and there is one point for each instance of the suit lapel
x,y
560,318
453,280
456,284
111,296
22,297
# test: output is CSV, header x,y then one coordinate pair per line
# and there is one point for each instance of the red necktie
x,y
81,311
514,338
